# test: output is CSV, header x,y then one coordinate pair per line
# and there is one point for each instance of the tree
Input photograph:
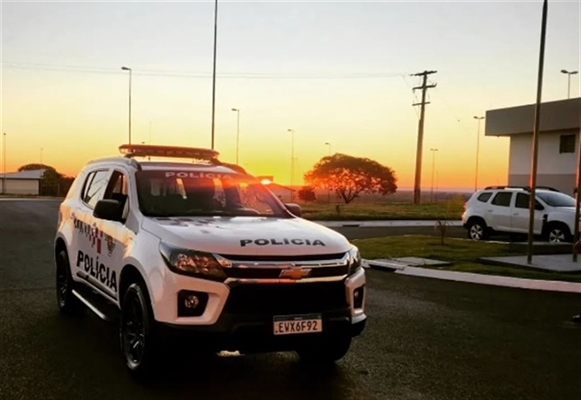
x,y
307,193
349,176
50,182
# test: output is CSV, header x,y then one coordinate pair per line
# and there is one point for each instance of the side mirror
x,y
294,209
108,209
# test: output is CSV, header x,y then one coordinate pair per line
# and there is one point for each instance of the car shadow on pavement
x,y
80,358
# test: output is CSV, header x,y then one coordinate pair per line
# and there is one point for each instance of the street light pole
x,y
41,154
328,188
214,70
4,162
569,73
292,131
477,151
329,144
130,76
433,171
237,132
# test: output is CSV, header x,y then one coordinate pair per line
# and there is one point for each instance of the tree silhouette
x,y
307,193
349,176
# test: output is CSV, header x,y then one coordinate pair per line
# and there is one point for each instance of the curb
x,y
385,223
468,277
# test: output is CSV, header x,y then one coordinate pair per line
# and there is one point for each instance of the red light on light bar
x,y
145,150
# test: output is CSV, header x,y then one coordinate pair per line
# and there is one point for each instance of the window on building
x,y
567,143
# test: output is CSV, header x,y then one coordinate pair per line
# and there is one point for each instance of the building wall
x,y
20,186
554,169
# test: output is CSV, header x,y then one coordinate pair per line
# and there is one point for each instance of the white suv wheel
x,y
476,231
556,235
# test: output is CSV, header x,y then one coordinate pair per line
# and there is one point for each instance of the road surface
x,y
426,339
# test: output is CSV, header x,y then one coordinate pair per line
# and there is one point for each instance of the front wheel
x,y
136,332
558,233
325,351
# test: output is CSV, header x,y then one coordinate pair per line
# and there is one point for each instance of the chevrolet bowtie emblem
x,y
295,273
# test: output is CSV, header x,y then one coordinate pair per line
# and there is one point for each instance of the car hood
x,y
248,235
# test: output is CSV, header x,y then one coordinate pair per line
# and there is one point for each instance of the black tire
x,y
326,351
477,229
137,332
558,232
68,303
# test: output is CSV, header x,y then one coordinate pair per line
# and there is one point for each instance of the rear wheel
x,y
137,331
326,351
477,229
67,302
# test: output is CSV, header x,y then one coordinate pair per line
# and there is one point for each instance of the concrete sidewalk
x,y
384,224
403,268
547,262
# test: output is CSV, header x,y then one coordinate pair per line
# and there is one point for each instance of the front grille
x,y
273,273
293,258
286,298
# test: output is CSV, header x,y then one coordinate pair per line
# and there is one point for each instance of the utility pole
x,y
477,152
214,71
419,150
292,174
4,162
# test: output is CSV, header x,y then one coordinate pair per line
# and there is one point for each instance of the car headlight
x,y
354,258
192,263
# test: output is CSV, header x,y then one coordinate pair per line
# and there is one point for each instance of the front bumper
x,y
245,320
254,332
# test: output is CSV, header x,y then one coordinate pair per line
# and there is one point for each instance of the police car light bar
x,y
146,150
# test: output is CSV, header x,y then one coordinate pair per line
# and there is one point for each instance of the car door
x,y
520,214
499,211
88,236
114,235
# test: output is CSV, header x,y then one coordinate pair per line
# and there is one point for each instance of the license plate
x,y
294,324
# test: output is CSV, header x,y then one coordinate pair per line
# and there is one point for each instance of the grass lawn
x,y
463,255
448,210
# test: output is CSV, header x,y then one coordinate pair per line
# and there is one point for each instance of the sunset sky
x,y
334,72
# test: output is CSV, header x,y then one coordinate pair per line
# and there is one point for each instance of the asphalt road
x,y
426,339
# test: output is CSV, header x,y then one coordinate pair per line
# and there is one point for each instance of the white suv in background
x,y
205,250
505,210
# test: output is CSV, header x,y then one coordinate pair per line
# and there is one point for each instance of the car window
x,y
95,187
484,196
117,189
557,199
522,201
502,199
193,193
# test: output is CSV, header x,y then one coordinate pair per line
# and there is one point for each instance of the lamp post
x,y
4,162
41,149
569,73
477,151
237,131
292,131
214,70
328,188
433,172
130,76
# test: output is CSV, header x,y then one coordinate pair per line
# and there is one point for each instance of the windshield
x,y
556,199
197,193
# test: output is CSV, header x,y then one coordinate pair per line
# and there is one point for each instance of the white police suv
x,y
203,248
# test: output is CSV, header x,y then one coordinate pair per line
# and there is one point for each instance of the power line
x,y
424,87
198,75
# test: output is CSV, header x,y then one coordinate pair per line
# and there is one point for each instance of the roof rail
x,y
146,150
526,188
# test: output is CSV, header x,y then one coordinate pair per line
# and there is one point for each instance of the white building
x,y
21,183
559,136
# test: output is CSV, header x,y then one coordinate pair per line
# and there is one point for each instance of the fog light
x,y
191,304
358,295
191,301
